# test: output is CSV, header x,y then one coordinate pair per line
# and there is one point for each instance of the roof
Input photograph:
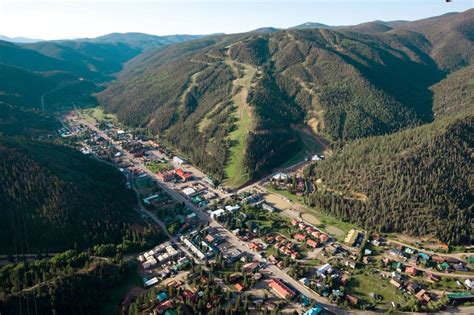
x,y
315,310
161,296
239,287
281,289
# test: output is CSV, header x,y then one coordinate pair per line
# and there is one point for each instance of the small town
x,y
259,246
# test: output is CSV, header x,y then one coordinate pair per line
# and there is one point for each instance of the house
x,y
352,299
423,296
161,296
460,297
460,267
299,237
239,287
304,281
163,306
395,283
424,257
411,270
351,237
312,243
251,267
165,176
444,266
269,208
350,263
469,283
281,289
178,160
432,277
184,176
189,191
326,268
437,259
189,295
413,287
217,213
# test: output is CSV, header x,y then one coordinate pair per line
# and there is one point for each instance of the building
x,y
280,176
351,237
184,176
239,287
411,271
312,243
217,213
299,237
269,208
423,296
178,160
251,267
315,310
189,191
352,299
395,283
165,176
281,289
326,268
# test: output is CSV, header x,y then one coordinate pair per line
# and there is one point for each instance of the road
x,y
231,238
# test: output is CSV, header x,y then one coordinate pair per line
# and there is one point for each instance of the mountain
x,y
55,198
237,104
370,27
140,40
19,39
56,74
310,26
451,36
412,182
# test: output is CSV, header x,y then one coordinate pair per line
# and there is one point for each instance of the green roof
x,y
460,295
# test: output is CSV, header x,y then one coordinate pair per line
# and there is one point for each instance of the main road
x,y
231,238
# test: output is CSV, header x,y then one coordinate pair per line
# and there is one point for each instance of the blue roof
x,y
161,296
315,310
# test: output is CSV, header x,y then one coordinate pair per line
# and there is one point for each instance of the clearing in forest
x,y
235,169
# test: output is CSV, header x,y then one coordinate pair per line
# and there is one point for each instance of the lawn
x,y
96,114
158,166
361,285
330,224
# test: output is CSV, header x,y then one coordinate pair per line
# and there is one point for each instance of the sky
x,y
61,19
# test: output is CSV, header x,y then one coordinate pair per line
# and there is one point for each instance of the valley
x,y
309,170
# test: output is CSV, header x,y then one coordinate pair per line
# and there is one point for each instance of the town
x,y
259,245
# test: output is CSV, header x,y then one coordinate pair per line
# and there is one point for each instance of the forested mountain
x,y
416,181
140,40
54,198
55,74
249,94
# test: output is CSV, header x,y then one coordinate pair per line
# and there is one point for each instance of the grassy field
x,y
235,170
97,114
361,285
330,224
158,166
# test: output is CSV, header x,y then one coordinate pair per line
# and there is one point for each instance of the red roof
x,y
281,289
299,237
184,175
239,287
312,243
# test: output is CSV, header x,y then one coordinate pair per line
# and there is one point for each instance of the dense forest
x,y
345,83
416,181
54,198
68,283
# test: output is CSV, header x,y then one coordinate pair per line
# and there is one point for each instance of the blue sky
x,y
57,19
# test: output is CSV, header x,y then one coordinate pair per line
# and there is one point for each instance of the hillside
x,y
420,174
344,84
54,198
140,40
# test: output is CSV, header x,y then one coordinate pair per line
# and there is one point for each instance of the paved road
x,y
232,239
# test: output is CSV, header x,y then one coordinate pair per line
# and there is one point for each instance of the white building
x,y
280,176
217,213
178,160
